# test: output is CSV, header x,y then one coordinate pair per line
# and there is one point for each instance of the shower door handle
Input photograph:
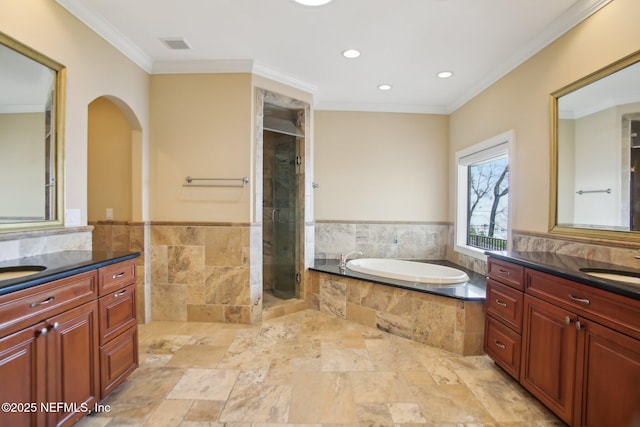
x,y
275,215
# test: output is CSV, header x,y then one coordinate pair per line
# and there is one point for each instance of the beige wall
x,y
380,166
201,126
94,69
22,165
520,101
109,168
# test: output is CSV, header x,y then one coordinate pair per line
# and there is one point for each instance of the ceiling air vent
x,y
176,43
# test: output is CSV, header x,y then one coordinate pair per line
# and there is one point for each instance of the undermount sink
x,y
7,273
618,276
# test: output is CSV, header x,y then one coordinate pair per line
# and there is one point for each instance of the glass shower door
x,y
285,218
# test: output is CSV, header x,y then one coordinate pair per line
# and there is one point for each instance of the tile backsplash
x,y
381,240
22,244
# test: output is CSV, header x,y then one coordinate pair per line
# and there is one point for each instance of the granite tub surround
x,y
445,322
201,273
309,368
409,240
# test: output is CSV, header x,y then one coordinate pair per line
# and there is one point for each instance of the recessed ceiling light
x,y
384,87
313,2
351,53
445,74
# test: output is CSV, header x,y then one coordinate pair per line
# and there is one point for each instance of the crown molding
x,y
573,16
105,30
580,11
214,66
380,108
292,81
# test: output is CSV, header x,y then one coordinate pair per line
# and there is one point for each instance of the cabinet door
x,y
609,382
73,362
117,313
118,359
503,346
22,371
548,356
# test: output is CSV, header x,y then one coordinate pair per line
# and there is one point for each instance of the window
x,y
482,218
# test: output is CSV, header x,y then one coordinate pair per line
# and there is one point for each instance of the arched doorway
x,y
114,183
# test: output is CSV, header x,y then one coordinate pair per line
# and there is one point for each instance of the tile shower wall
x,y
122,236
381,239
201,273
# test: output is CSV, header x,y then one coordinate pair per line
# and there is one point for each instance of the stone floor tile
x,y
310,369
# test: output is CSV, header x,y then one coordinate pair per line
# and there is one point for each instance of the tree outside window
x,y
482,200
488,194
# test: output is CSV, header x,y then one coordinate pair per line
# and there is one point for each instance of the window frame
x,y
499,145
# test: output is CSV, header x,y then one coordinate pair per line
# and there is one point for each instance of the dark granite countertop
x,y
568,267
473,290
59,265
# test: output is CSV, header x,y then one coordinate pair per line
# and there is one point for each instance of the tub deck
x,y
447,317
473,290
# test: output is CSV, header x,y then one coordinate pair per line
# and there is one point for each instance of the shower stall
x,y
283,137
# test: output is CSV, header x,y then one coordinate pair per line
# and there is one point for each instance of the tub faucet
x,y
345,258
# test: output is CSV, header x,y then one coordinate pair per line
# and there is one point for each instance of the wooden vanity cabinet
x,y
64,344
55,359
580,348
503,320
118,324
608,377
23,370
549,355
73,364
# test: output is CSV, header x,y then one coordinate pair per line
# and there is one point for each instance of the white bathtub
x,y
410,271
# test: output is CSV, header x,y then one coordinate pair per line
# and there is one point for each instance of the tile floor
x,y
309,368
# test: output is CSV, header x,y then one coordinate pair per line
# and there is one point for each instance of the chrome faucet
x,y
345,258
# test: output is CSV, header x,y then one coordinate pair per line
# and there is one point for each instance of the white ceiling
x,y
403,43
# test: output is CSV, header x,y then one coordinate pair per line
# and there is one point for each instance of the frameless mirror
x,y
595,154
31,146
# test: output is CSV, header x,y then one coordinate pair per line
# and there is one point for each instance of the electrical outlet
x,y
109,213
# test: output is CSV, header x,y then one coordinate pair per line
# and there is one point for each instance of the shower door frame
x,y
305,225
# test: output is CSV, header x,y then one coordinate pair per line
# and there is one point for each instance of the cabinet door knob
x,y
44,332
578,325
500,303
55,326
567,320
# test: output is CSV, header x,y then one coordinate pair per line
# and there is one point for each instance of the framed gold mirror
x,y
595,154
31,138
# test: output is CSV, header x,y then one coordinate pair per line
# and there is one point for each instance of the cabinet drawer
x,y
506,272
117,276
117,312
607,308
26,307
503,346
118,358
505,303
